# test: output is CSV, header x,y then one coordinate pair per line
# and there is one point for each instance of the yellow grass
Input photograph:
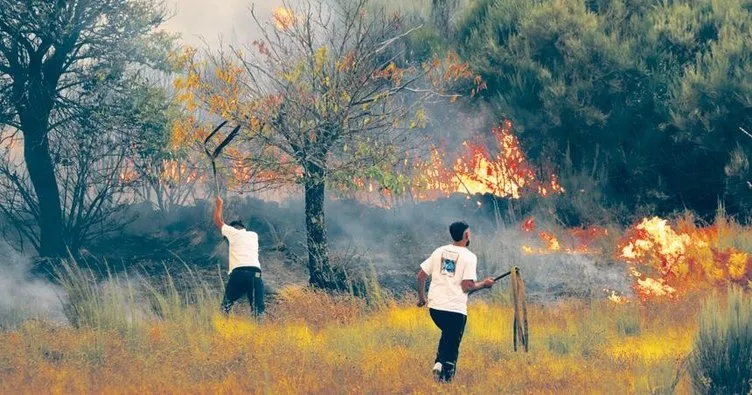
x,y
312,343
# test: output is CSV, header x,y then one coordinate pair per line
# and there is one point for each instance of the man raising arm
x,y
244,267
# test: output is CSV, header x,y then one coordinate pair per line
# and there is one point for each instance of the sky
x,y
229,19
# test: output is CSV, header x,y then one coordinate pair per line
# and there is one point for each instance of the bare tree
x,y
92,191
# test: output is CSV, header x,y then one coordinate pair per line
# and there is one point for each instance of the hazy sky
x,y
230,19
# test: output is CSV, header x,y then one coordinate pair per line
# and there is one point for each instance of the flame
x,y
283,18
615,297
578,240
169,172
647,287
684,258
552,243
528,225
505,174
655,236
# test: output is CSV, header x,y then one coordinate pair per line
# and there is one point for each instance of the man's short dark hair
x,y
237,224
457,230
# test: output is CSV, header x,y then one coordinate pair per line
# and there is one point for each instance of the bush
x,y
721,362
628,323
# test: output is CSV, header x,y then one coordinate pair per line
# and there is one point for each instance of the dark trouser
x,y
245,281
452,327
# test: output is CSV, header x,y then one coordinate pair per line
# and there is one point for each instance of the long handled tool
x,y
520,326
213,155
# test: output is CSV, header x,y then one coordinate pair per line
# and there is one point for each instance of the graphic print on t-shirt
x,y
449,262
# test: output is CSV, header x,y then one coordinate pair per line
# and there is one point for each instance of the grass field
x,y
314,343
138,334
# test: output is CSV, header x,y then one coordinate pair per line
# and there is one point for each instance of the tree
x,y
326,97
51,54
91,155
650,96
160,173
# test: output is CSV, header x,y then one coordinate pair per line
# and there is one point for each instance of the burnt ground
x,y
367,241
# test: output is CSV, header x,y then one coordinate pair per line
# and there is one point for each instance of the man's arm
x,y
422,288
218,213
470,285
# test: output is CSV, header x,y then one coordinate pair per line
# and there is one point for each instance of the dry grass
x,y
313,343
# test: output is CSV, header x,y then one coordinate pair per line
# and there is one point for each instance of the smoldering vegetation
x,y
368,243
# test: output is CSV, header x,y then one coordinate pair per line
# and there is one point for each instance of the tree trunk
x,y
42,174
318,249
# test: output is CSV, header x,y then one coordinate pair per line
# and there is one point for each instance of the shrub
x,y
628,322
721,362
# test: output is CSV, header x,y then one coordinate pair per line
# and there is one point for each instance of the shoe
x,y
447,372
436,371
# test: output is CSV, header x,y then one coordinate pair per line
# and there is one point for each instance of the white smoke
x,y
554,275
22,296
228,21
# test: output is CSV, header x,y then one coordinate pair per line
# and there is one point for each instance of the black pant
x,y
245,281
452,327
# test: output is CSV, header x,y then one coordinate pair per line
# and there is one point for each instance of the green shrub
x,y
721,362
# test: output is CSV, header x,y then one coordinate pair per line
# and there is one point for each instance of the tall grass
x,y
129,302
100,300
323,344
722,359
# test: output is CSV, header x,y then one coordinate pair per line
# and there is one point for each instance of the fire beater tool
x,y
520,326
213,155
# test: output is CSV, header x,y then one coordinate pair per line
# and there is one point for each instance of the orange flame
x,y
682,260
504,174
578,240
615,297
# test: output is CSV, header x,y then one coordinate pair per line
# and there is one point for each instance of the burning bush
x,y
672,261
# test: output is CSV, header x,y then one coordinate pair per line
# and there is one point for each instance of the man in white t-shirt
x,y
244,268
453,274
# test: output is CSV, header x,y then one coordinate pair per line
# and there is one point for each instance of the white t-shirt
x,y
448,266
244,249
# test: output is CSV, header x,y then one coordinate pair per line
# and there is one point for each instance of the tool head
x,y
221,125
226,141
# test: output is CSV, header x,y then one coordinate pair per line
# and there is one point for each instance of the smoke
x,y
553,275
21,295
228,21
396,241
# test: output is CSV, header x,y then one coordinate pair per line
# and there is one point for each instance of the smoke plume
x,y
21,295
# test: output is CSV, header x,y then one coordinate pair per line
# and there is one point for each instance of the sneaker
x,y
447,372
436,371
